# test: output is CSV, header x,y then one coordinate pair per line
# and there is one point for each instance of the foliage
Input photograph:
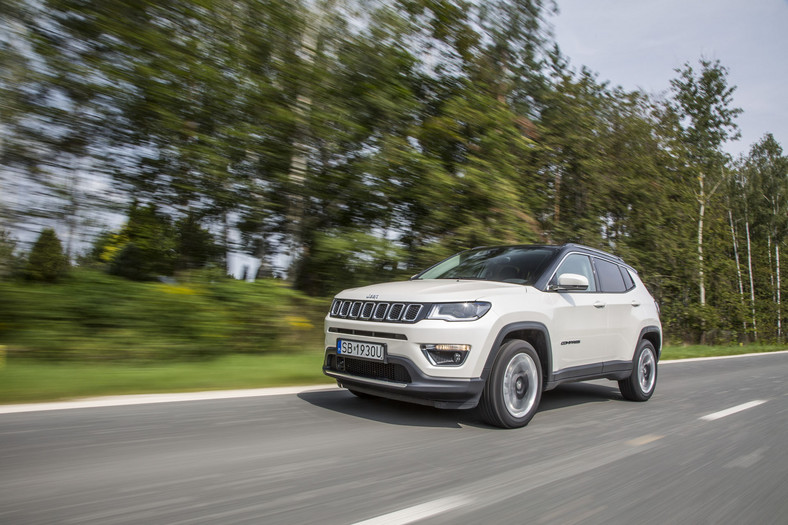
x,y
46,262
94,316
149,245
345,141
353,258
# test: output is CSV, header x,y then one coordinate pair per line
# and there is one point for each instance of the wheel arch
x,y
534,333
653,334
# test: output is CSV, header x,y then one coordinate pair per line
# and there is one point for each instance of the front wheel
x,y
640,385
512,393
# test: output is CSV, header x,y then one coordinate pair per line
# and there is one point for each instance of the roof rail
x,y
593,250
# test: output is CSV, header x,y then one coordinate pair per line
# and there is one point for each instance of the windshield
x,y
511,264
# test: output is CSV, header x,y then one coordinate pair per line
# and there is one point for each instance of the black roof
x,y
570,246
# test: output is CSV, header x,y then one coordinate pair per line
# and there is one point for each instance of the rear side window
x,y
610,278
627,278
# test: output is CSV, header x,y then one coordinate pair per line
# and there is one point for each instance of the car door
x,y
580,337
622,306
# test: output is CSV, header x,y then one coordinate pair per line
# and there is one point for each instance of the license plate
x,y
374,351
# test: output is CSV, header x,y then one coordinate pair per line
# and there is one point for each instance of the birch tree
x,y
703,100
767,171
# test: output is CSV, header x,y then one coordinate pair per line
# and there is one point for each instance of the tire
x,y
512,393
641,384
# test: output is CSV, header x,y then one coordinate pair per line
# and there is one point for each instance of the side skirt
x,y
613,370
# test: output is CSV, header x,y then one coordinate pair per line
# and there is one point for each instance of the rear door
x,y
618,290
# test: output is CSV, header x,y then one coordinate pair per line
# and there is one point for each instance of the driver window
x,y
580,265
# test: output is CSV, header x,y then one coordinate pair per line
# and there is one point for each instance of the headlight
x,y
458,311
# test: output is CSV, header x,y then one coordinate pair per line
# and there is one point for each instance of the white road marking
x,y
144,399
418,512
517,481
644,440
732,410
748,460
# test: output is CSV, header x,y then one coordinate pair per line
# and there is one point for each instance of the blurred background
x,y
197,178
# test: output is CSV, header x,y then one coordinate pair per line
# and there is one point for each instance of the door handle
x,y
599,304
635,304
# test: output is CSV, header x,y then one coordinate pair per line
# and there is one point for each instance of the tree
x,y
765,171
46,262
54,119
146,247
8,260
195,246
702,100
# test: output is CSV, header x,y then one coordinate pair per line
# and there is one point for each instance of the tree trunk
x,y
298,163
557,201
71,209
738,265
226,242
771,268
779,306
752,286
701,277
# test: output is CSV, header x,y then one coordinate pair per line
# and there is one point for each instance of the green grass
x,y
687,352
27,380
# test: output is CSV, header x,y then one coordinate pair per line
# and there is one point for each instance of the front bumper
x,y
401,380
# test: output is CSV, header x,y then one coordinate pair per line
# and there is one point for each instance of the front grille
x,y
369,369
378,311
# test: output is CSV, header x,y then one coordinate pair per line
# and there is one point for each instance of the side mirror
x,y
570,282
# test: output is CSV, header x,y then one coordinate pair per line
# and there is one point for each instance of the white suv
x,y
496,326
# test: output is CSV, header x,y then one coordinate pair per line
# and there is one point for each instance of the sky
x,y
638,44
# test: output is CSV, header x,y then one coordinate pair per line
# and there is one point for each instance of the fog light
x,y
446,354
449,348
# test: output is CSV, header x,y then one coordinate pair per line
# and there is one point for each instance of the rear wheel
x,y
512,393
640,385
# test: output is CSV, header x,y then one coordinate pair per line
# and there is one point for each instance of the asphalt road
x,y
709,447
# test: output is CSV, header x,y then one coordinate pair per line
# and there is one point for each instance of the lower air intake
x,y
369,369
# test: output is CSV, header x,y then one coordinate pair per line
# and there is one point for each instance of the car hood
x,y
432,291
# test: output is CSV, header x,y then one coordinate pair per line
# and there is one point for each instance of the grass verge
x,y
27,380
688,352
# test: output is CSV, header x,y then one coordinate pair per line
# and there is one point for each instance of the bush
x,y
95,316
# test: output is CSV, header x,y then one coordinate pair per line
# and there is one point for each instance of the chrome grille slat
x,y
395,311
336,307
366,312
380,311
411,312
345,308
355,310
